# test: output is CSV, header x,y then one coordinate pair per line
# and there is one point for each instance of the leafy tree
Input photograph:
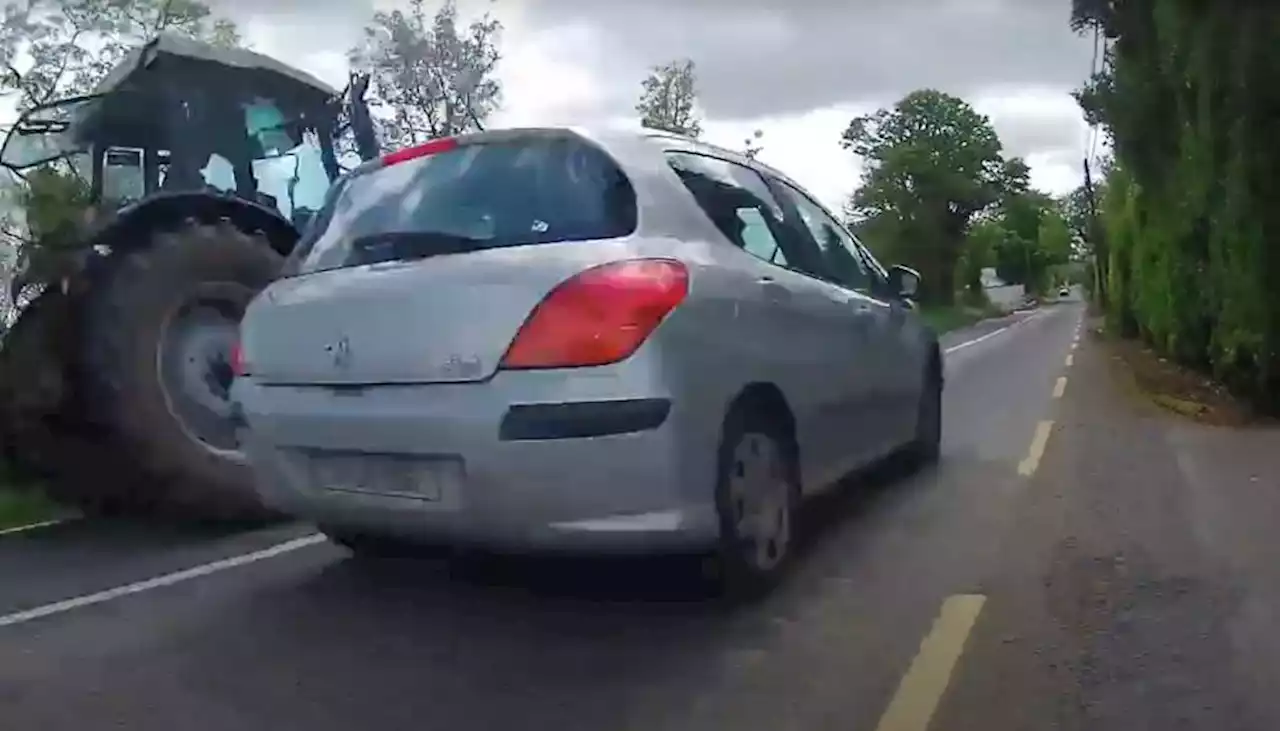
x,y
932,162
1036,239
430,78
669,99
1186,249
984,239
58,48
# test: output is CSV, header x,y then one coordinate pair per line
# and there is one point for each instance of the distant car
x,y
556,340
1064,292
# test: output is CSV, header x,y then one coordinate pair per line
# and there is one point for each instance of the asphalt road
x,y
966,597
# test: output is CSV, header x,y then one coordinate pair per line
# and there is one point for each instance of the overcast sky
x,y
798,70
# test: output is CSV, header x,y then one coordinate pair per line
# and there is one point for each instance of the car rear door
x,y
787,322
869,412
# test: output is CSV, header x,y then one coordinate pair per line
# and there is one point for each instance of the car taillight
x,y
599,316
238,366
443,144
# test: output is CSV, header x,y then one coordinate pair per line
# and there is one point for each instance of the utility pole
x,y
1095,238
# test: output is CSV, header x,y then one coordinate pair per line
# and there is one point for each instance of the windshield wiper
x,y
409,245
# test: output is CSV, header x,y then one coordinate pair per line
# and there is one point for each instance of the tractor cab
x,y
180,116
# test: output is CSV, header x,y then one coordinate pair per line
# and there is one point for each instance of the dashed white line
x,y
176,577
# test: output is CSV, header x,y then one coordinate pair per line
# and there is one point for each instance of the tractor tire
x,y
156,344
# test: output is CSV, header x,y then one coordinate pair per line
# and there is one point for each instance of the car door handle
x,y
863,316
775,289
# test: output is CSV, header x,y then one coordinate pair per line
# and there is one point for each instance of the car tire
x,y
757,502
926,446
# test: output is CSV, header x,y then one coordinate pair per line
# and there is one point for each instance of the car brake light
x,y
599,316
238,366
443,144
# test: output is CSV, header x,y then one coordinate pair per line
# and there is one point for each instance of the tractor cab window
x,y
123,179
294,178
286,163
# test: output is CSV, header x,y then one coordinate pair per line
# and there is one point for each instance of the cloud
x,y
759,57
798,71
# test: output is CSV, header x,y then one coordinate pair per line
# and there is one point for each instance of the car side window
x,y
839,250
740,204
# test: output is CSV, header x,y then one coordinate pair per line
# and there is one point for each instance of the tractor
x,y
199,169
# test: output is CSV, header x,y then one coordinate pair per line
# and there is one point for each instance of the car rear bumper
x,y
592,474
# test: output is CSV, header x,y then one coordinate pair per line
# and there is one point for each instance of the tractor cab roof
x,y
168,47
169,88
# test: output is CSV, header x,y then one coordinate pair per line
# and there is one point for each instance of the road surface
x,y
1039,578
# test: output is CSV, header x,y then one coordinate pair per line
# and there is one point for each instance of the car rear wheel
x,y
757,497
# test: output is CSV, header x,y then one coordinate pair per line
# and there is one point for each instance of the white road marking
x,y
33,526
1060,387
176,577
195,572
992,334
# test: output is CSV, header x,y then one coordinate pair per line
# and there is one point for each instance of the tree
x,y
1036,239
932,162
430,78
669,99
985,237
67,46
1186,247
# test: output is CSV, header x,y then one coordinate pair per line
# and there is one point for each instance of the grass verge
x,y
943,319
24,506
1170,388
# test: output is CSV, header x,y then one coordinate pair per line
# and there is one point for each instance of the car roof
x,y
639,152
626,142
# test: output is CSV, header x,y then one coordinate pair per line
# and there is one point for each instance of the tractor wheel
x,y
157,371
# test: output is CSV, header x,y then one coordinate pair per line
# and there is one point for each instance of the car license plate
x,y
376,474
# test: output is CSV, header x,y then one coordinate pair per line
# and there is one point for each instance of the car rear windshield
x,y
480,195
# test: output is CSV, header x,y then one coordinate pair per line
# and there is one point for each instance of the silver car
x,y
560,339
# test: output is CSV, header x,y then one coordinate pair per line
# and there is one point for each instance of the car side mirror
x,y
904,281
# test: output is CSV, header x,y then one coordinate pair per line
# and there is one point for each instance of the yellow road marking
x,y
1070,359
926,680
1028,466
1074,345
1060,387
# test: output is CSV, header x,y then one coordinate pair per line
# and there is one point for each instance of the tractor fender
x,y
131,226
